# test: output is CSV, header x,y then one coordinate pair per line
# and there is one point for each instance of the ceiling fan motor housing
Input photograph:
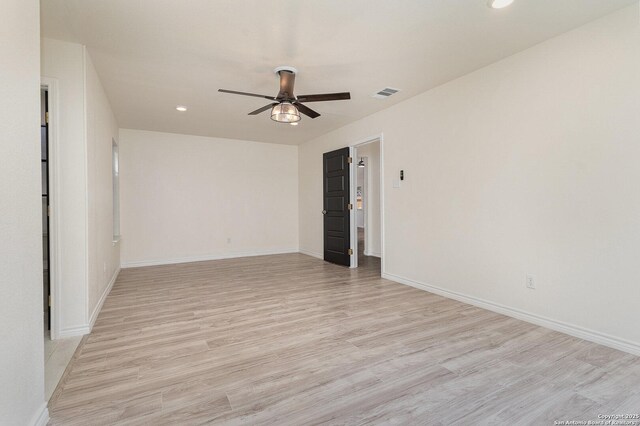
x,y
292,70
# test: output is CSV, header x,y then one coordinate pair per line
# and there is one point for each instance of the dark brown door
x,y
337,232
46,201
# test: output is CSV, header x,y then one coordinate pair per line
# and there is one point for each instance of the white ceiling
x,y
155,54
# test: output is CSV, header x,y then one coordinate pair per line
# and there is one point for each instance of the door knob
x,y
324,212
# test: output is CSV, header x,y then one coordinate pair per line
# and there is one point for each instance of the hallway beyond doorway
x,y
369,262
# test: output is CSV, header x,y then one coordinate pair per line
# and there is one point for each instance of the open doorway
x,y
367,190
57,351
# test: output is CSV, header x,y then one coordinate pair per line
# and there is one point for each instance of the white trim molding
x,y
563,327
353,150
189,259
41,417
81,330
103,297
78,330
312,254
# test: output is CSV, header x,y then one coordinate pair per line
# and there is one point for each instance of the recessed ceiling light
x,y
499,4
295,123
181,108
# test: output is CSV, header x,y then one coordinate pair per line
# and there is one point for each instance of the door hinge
x,y
350,252
350,206
349,160
46,117
49,300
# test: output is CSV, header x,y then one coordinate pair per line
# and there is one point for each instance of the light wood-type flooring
x,y
292,340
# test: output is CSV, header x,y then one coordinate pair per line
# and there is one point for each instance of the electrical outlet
x,y
530,282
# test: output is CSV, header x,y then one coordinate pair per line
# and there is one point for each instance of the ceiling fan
x,y
286,107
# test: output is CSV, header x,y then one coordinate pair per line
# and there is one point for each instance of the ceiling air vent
x,y
385,93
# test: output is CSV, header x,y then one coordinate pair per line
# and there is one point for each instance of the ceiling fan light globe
x,y
285,112
499,4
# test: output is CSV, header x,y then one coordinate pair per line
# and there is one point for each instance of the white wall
x,y
64,62
22,354
87,259
529,165
373,231
183,196
103,254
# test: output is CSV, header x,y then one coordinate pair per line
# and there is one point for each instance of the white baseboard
x,y
312,254
103,297
41,417
563,327
139,263
79,330
373,253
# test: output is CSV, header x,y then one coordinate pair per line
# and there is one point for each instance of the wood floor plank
x,y
290,339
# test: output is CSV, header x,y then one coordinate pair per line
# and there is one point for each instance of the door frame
x,y
51,85
353,152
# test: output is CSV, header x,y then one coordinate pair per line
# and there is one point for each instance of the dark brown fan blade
x,y
263,109
306,110
233,92
325,97
287,80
